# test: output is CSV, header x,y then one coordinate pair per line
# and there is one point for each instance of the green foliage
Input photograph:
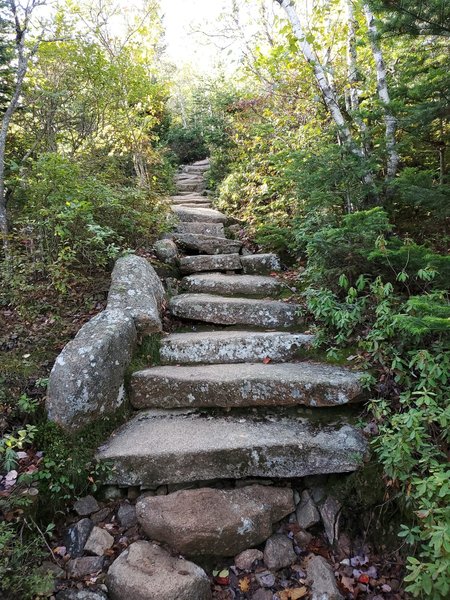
x,y
70,223
11,442
187,143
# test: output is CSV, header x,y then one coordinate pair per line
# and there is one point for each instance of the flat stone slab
x,y
217,262
231,347
260,264
232,285
145,571
207,215
206,244
161,447
247,384
234,311
216,229
241,518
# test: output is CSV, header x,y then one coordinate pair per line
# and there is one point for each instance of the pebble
x,y
279,552
86,506
244,561
80,567
99,541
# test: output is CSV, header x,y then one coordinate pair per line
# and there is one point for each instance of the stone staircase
x,y
232,400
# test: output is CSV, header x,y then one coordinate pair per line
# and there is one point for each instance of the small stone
x,y
81,595
133,493
321,579
162,490
303,538
80,567
101,516
265,579
307,513
86,506
127,515
99,541
166,251
145,571
244,561
279,552
77,536
330,512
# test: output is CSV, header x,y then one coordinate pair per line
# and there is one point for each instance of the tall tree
x,y
392,157
21,14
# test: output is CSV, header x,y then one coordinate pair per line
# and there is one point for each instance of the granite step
x,y
216,229
221,310
168,447
206,244
256,286
206,215
260,264
242,385
215,347
210,262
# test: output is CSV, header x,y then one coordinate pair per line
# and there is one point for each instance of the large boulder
x,y
137,290
241,518
86,381
145,571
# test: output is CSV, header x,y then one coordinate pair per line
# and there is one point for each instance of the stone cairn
x,y
233,414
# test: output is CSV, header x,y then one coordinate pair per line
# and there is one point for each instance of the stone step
x,y
270,314
168,447
189,204
246,384
232,346
232,285
260,264
190,186
206,244
199,169
212,262
192,199
206,215
216,229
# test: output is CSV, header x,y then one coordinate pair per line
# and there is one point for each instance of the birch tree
x,y
392,157
21,14
327,91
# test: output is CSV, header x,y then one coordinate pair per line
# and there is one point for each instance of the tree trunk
x,y
322,81
390,120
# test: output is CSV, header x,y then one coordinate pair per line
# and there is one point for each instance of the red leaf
x,y
267,360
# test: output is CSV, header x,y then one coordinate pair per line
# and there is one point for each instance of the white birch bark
x,y
390,120
320,75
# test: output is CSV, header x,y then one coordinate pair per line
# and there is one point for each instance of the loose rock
x,y
80,567
279,552
166,251
262,595
81,595
146,571
330,512
77,536
127,515
241,518
307,513
321,579
99,541
86,506
244,561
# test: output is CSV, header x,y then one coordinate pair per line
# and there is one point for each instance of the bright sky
x,y
179,18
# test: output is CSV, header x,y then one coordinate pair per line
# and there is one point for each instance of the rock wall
x,y
87,379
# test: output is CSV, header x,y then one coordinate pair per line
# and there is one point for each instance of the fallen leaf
x,y
348,583
244,585
363,578
293,594
223,577
267,360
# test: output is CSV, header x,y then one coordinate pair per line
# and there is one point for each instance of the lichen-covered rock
x,y
137,290
246,384
166,251
260,264
86,381
205,215
145,571
217,262
222,310
214,347
231,285
206,244
202,228
240,518
159,447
